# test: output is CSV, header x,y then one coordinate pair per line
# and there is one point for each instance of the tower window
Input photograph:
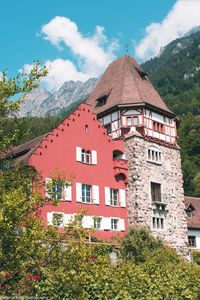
x,y
101,101
156,192
158,127
154,155
158,223
132,121
108,128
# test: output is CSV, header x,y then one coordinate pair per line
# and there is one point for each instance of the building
x,y
192,207
127,164
128,105
79,148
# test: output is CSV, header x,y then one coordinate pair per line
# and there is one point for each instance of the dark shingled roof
x,y
194,221
22,153
124,82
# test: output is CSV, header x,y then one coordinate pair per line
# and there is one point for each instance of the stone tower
x,y
130,108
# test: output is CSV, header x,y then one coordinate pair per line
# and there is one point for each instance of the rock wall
x,y
169,175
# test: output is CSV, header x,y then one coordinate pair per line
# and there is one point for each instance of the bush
x,y
139,244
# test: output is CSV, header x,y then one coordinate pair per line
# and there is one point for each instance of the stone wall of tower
x,y
169,174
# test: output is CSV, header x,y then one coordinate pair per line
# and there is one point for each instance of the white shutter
x,y
68,192
78,153
106,223
107,196
67,219
78,192
121,224
95,194
48,182
87,222
94,157
122,198
49,218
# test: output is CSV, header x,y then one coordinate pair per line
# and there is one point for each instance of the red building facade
x,y
80,146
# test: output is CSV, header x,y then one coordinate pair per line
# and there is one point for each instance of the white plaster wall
x,y
197,234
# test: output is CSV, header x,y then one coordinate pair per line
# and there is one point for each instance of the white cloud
x,y
184,15
1,75
92,53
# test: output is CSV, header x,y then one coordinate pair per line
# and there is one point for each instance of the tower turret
x,y
129,107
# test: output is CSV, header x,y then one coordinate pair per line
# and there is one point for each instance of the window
x,y
101,101
192,241
132,121
86,193
190,211
97,223
108,128
156,192
57,219
155,155
158,127
114,193
157,223
57,189
85,156
114,224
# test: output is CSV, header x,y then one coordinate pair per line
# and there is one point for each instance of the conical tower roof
x,y
125,83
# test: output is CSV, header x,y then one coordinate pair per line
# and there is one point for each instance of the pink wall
x,y
61,153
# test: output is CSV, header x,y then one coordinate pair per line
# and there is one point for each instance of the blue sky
x,y
78,39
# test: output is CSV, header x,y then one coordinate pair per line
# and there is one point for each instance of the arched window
x,y
83,155
88,154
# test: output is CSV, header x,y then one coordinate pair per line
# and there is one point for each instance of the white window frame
x,y
114,222
158,223
114,197
152,153
84,191
97,223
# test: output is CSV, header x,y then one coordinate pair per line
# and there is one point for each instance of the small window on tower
x,y
101,101
108,128
156,192
132,121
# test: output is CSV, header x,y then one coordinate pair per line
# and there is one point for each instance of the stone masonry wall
x,y
169,174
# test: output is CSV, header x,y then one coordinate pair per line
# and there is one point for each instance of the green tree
x,y
13,92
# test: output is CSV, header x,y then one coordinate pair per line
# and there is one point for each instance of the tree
x,y
12,93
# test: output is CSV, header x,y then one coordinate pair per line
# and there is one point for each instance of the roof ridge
x,y
135,82
123,76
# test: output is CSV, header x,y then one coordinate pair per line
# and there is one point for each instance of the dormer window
x,y
190,211
101,101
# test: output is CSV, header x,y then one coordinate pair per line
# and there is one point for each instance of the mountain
x,y
176,75
41,103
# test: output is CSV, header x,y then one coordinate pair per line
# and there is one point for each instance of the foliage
x,y
12,93
196,257
139,244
